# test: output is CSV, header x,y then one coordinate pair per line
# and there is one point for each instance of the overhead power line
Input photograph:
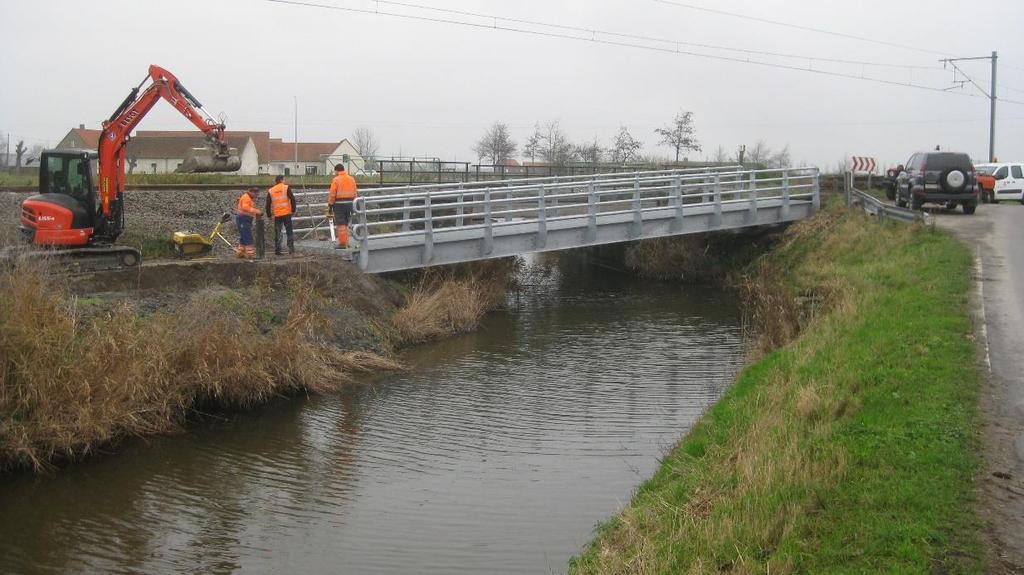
x,y
799,27
668,41
500,23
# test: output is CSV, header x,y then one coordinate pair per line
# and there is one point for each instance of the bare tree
x,y
780,159
496,145
19,151
366,145
679,135
532,148
760,153
591,152
627,148
720,156
550,144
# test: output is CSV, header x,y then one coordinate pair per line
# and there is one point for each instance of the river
x,y
498,452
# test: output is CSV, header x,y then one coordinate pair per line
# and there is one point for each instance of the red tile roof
x,y
91,138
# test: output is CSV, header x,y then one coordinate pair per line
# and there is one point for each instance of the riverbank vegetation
x,y
79,372
850,446
451,300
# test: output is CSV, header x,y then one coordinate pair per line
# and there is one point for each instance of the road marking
x,y
979,272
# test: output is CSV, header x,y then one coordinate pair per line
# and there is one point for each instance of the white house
x,y
161,152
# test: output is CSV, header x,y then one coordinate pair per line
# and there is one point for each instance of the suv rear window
x,y
945,161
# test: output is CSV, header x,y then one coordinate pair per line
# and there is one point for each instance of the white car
x,y
1008,180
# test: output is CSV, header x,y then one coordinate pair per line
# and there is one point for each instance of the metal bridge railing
x,y
487,208
311,209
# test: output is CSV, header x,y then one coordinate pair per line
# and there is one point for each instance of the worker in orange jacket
x,y
339,202
247,212
281,206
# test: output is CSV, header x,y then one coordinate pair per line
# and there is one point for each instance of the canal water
x,y
498,452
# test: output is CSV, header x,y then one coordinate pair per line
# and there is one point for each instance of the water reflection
x,y
498,452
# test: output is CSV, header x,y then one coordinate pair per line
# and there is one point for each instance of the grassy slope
x,y
849,450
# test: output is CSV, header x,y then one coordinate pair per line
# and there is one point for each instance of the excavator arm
x,y
217,156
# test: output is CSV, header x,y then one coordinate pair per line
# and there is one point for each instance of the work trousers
x,y
259,236
284,222
342,215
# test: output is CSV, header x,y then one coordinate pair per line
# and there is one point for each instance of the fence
x,y
431,170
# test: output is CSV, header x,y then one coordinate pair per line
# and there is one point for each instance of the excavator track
x,y
78,260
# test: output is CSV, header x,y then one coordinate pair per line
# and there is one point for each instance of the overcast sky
x,y
431,88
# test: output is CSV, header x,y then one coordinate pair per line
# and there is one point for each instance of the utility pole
x,y
992,113
296,99
991,94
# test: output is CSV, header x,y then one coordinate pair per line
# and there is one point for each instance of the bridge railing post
x,y
785,195
488,224
716,217
816,191
591,212
677,203
542,218
428,230
364,241
405,215
752,213
638,215
459,208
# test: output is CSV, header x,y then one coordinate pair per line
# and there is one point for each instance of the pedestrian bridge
x,y
417,226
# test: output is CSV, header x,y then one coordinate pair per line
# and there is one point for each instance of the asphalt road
x,y
996,235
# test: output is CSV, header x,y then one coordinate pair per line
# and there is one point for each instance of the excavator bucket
x,y
200,160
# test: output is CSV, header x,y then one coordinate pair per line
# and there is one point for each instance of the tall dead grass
x,y
69,383
453,300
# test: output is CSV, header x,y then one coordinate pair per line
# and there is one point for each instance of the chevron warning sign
x,y
863,164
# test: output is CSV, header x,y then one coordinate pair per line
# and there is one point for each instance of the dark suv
x,y
945,178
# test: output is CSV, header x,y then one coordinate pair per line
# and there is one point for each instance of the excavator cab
x,y
64,212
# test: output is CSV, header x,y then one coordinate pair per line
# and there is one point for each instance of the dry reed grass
x,y
69,383
452,300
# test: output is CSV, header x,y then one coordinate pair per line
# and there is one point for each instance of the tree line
x,y
549,144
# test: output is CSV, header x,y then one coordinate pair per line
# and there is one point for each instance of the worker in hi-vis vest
x,y
281,206
246,213
339,202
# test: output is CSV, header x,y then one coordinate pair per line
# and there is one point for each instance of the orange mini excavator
x,y
79,210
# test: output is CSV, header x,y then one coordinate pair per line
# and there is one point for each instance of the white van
x,y
1008,180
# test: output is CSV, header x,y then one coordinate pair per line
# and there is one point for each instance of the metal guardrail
x,y
880,209
430,225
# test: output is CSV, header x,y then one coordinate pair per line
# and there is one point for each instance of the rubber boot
x,y
342,232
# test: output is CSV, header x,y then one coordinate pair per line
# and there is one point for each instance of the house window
x,y
153,167
310,170
178,167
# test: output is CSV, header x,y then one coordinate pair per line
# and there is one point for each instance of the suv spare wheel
x,y
953,181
